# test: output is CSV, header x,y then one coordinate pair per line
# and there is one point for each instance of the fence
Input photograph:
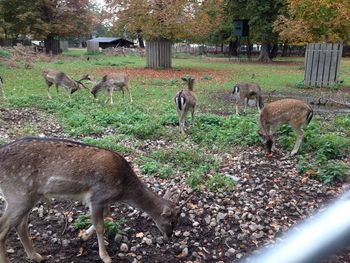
x,y
92,46
158,54
322,64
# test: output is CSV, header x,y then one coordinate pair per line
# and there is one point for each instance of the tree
x,y
261,14
163,20
315,20
44,18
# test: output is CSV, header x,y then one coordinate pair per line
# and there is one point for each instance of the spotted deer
x,y
285,111
33,168
245,92
185,101
111,82
59,78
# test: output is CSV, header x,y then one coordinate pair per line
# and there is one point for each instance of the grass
x,y
152,117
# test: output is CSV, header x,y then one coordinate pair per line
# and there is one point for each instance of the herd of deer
x,y
32,168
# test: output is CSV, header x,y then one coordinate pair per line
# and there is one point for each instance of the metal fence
x,y
322,63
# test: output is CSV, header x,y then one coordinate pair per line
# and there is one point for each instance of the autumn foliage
x,y
165,19
315,21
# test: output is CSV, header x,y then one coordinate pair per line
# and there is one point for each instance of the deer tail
x,y
309,116
180,100
235,90
260,101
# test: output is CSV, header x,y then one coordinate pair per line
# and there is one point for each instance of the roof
x,y
104,39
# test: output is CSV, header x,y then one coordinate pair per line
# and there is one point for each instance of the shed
x,y
105,42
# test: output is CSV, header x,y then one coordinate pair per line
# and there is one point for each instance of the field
x,y
243,199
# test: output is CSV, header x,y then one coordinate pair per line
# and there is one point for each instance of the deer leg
x,y
300,136
22,231
128,89
48,90
110,94
88,232
192,115
57,90
97,220
273,130
15,215
182,121
246,100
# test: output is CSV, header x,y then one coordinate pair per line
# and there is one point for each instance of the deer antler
x,y
79,81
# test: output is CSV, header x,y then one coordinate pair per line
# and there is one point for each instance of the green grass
x,y
152,117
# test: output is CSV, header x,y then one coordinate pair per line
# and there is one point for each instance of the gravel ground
x,y
268,198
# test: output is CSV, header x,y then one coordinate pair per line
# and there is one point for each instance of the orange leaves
x,y
315,20
166,19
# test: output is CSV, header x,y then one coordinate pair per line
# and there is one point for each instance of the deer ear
x,y
166,211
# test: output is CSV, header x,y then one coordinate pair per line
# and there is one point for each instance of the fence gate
x,y
322,63
158,54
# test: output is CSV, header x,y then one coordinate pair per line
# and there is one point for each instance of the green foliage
x,y
112,228
217,131
4,53
221,182
111,142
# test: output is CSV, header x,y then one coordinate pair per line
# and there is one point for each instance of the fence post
x,y
322,63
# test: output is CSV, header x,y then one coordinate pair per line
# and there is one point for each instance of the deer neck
x,y
141,197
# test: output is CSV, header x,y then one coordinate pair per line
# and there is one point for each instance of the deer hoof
x,y
107,259
36,257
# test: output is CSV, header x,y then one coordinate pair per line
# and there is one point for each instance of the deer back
x,y
286,111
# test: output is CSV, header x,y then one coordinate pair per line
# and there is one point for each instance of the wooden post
x,y
158,54
322,63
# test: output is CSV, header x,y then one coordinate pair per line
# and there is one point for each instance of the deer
x,y
33,168
247,91
286,111
185,101
110,82
59,78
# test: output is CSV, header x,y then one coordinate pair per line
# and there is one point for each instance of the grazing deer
x,y
32,168
59,78
247,91
110,82
185,100
2,96
285,111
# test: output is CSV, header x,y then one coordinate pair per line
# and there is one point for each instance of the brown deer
x,y
32,168
285,111
185,101
110,82
59,78
247,91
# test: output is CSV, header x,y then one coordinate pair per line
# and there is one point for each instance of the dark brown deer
x,y
111,82
245,92
286,111
59,78
185,101
33,168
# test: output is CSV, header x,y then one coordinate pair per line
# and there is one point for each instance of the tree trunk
x,y
284,50
274,51
233,48
158,54
264,54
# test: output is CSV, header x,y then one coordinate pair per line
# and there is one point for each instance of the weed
x,y
112,228
219,181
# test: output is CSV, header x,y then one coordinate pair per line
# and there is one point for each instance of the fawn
x,y
247,91
110,82
185,101
285,111
32,168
